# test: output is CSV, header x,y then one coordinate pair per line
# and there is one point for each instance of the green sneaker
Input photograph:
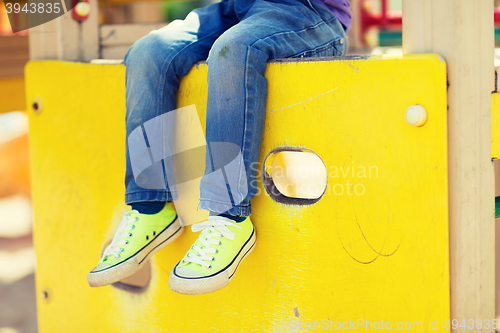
x,y
211,262
137,238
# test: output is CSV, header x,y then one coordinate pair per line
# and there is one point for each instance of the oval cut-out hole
x,y
295,176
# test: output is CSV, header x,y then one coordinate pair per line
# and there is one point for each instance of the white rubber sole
x,y
197,286
134,264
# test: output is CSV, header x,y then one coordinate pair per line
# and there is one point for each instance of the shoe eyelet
x,y
121,249
126,242
213,259
209,266
130,234
133,226
154,233
136,219
147,237
216,251
117,257
220,243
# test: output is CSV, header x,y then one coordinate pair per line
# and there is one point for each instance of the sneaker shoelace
x,y
213,227
115,248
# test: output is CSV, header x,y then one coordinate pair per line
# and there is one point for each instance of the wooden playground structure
x,y
419,246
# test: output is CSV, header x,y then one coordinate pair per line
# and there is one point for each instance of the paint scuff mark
x,y
304,101
223,52
377,253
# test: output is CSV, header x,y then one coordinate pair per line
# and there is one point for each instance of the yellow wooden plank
x,y
376,252
12,96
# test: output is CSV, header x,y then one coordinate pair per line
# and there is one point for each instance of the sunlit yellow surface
x,y
374,248
12,96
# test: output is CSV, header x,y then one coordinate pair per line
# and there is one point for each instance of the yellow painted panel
x,y
12,94
374,248
495,125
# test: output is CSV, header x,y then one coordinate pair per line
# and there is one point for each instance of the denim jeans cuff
x,y
149,195
219,207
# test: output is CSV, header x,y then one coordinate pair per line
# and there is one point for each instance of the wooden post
x,y
67,39
462,32
354,36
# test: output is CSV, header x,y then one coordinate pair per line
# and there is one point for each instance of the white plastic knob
x,y
82,9
416,115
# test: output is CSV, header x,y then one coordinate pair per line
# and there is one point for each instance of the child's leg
x,y
237,92
154,66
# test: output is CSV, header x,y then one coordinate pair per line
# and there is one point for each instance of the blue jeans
x,y
237,37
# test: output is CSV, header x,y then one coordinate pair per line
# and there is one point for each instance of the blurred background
x,y
376,30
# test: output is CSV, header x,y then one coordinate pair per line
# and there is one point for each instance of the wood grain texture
x,y
462,32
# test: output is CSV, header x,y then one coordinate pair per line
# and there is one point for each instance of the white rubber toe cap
x,y
187,273
100,268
